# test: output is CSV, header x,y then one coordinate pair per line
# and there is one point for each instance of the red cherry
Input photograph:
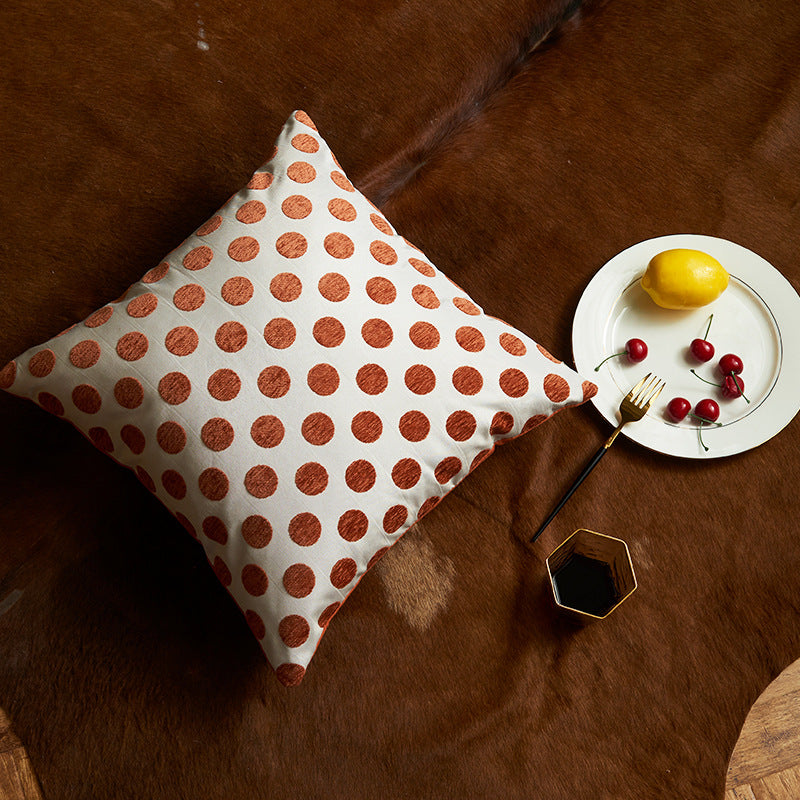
x,y
733,386
702,350
678,408
730,364
707,410
636,350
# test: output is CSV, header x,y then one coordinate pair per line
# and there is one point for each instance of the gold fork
x,y
632,408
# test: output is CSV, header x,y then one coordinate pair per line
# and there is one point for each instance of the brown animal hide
x,y
521,145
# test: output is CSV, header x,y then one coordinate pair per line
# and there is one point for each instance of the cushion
x,y
298,385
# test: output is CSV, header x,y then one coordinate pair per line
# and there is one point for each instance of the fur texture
x,y
125,668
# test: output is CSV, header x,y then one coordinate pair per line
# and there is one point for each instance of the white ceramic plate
x,y
757,317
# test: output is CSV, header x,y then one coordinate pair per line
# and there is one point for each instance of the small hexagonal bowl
x,y
591,574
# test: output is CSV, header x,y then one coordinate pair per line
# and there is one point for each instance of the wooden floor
x,y
765,764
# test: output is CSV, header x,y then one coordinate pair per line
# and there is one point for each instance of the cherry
x,y
730,364
701,349
678,408
707,410
732,386
635,349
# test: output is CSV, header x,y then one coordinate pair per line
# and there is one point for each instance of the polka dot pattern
x,y
298,385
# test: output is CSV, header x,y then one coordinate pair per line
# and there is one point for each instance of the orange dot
x,y
143,305
256,531
210,226
86,398
217,434
353,525
132,346
470,339
101,439
128,392
422,267
8,374
406,473
467,306
467,380
198,258
251,211
366,426
189,297
305,143
299,580
533,422
372,379
447,469
267,431
395,518
461,425
382,252
425,296
171,437
334,287
377,556
174,388
514,383
245,248
589,389
311,478
377,333
547,355
41,364
293,629
237,291
291,244
85,354
339,245
301,116
215,529
381,224
274,382
480,458
254,580
260,180
323,379
279,333
290,674
502,423
414,426
339,179
381,290
99,317
360,476
329,332
285,286
305,529
181,341
342,210
296,206
222,571
156,274
301,172
144,477
50,403
231,337
420,379
424,335
317,428
213,483
186,524
512,344
555,387
174,484
255,623
133,438
224,384
342,572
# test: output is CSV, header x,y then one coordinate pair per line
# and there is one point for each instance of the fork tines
x,y
647,390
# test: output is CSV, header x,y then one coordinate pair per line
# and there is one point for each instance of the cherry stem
x,y
705,419
614,355
738,386
708,328
710,383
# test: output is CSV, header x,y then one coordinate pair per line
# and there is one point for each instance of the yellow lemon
x,y
684,278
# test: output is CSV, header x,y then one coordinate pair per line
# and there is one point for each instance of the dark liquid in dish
x,y
585,584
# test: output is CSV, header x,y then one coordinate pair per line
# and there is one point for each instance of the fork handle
x,y
578,481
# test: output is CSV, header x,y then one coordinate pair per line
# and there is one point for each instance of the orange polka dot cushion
x,y
298,385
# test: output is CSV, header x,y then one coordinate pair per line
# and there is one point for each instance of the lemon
x,y
683,278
